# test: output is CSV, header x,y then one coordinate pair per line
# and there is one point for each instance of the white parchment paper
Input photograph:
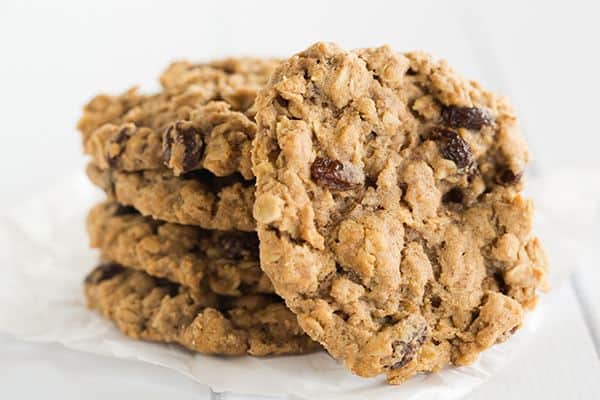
x,y
44,256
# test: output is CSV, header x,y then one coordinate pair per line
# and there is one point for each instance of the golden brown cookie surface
x,y
197,198
389,211
154,309
226,261
202,119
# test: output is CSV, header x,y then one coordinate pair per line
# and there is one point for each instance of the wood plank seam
x,y
586,311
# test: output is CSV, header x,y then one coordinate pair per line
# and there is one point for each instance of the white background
x,y
55,55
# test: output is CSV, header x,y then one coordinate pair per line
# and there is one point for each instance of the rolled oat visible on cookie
x,y
197,198
190,256
148,308
201,119
387,212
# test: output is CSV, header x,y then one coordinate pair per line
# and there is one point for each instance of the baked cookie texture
x,y
226,262
197,198
202,119
389,211
154,309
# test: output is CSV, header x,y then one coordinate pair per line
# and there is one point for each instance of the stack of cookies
x,y
364,201
177,239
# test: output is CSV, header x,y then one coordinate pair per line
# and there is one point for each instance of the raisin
x,y
103,272
182,146
370,182
120,139
465,117
192,150
507,177
330,174
454,148
408,350
237,247
454,195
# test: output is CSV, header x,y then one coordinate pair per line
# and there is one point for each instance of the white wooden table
x,y
54,55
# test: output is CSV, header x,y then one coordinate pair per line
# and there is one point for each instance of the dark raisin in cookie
x,y
202,119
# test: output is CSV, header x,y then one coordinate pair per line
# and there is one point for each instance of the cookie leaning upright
x,y
388,209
